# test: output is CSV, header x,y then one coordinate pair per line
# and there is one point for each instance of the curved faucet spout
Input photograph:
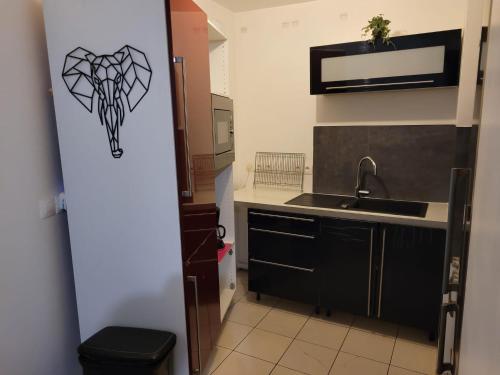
x,y
358,190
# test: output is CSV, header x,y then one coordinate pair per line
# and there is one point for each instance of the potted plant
x,y
379,31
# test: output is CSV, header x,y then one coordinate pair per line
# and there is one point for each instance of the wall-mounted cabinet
x,y
411,61
219,60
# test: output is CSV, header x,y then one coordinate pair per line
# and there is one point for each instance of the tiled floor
x,y
278,337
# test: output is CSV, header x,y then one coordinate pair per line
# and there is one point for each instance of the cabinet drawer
x,y
283,222
283,282
283,249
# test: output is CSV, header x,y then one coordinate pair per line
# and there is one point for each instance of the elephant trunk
x,y
112,114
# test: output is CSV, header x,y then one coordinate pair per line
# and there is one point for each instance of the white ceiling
x,y
244,5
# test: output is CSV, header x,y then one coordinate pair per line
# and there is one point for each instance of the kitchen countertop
x,y
271,199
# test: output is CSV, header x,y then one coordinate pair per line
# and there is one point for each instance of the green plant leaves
x,y
378,28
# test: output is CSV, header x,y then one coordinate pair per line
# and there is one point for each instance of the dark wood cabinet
x,y
283,255
390,272
347,274
190,76
202,309
411,271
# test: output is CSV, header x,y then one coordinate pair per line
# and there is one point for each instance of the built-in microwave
x,y
223,130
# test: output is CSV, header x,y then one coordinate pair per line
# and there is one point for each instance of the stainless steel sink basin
x,y
386,206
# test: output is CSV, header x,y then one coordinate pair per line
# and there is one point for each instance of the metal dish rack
x,y
279,170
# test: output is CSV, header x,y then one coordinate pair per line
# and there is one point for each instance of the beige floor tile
x,y
241,285
265,300
337,317
264,345
323,333
279,370
348,364
401,371
232,334
242,275
416,357
241,364
294,307
369,345
238,296
218,355
416,336
375,326
247,313
283,323
308,358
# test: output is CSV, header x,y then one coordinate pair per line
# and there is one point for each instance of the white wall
x,y
273,108
123,213
38,319
480,335
469,92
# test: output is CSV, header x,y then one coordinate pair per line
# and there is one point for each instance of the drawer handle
x,y
283,217
282,265
283,233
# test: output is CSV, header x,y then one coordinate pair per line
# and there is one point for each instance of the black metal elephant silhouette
x,y
126,72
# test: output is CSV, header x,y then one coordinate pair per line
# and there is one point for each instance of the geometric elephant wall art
x,y
124,74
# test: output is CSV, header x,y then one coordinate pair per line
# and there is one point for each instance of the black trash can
x,y
127,351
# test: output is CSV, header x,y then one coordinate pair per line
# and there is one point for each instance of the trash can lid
x,y
128,345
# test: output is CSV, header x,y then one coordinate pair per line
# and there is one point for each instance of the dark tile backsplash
x,y
414,162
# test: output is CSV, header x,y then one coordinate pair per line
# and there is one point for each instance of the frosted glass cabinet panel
x,y
406,62
421,60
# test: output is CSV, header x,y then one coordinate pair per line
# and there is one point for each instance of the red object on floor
x,y
221,253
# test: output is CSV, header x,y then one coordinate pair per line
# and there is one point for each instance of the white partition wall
x,y
480,345
120,184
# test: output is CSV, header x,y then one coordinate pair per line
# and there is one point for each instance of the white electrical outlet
x,y
47,208
51,207
60,202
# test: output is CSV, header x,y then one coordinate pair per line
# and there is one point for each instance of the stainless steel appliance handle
x,y
194,280
283,233
182,60
370,275
442,366
380,290
282,265
283,217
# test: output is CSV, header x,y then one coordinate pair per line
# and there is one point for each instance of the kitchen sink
x,y
386,206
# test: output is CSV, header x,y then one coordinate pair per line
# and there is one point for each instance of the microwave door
x,y
223,129
454,271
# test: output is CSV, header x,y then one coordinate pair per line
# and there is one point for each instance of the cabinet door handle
x,y
283,233
380,84
182,60
370,275
282,265
379,312
194,280
283,217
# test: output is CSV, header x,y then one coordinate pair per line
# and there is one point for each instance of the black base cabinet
x,y
283,256
390,272
411,273
347,249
